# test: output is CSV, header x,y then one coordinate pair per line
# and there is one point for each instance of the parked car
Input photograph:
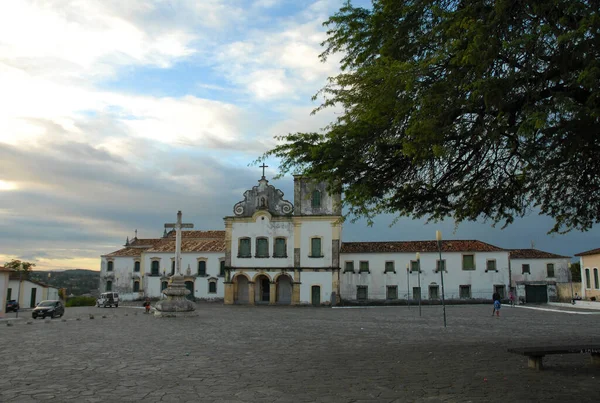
x,y
108,299
52,308
12,305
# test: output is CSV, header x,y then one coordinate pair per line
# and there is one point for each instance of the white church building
x,y
274,251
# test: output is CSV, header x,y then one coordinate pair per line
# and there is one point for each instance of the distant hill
x,y
76,281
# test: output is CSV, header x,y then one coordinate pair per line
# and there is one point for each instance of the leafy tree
x,y
18,265
469,109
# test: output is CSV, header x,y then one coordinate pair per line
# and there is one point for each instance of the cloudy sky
x,y
116,114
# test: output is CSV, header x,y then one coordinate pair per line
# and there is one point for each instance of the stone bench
x,y
536,354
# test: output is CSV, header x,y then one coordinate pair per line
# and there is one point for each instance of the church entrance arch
x,y
262,290
284,289
190,286
242,293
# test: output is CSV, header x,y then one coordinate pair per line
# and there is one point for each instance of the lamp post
x,y
438,238
419,279
407,285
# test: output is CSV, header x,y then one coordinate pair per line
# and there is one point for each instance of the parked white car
x,y
108,299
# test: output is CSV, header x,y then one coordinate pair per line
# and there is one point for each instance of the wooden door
x,y
33,297
316,295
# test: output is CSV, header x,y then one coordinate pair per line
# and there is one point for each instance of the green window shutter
x,y
316,247
440,265
364,267
389,267
414,265
212,287
201,268
468,262
550,269
136,266
163,285
109,266
109,286
245,247
491,265
280,247
222,268
155,268
349,267
136,286
525,269
262,247
316,199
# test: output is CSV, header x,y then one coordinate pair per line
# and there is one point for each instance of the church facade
x,y
277,251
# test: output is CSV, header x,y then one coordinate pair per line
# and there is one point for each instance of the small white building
x,y
28,292
535,273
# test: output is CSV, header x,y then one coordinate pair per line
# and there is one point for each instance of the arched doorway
x,y
262,289
241,295
190,286
284,289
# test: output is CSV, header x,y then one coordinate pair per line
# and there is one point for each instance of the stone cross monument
x,y
176,303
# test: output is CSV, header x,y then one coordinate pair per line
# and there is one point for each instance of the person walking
x,y
511,298
497,305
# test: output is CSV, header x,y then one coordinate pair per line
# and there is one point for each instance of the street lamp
x,y
419,279
438,238
408,284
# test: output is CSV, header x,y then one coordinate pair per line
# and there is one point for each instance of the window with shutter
x,y
244,250
109,266
490,265
222,268
364,267
525,269
316,199
280,248
136,286
392,292
136,266
202,268
414,266
389,267
468,262
550,269
212,287
315,244
440,264
109,285
262,247
362,293
155,268
349,267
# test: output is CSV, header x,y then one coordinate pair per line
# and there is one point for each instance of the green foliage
x,y
18,265
465,109
76,282
81,301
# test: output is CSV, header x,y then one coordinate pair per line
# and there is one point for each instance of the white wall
x,y
322,279
3,292
538,270
310,229
481,282
24,296
262,227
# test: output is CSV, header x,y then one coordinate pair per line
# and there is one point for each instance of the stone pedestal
x,y
176,304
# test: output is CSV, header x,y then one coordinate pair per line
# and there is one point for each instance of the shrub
x,y
81,301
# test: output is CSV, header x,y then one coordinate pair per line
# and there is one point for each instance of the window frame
x,y
245,256
155,262
136,282
523,265
222,269
108,287
500,287
430,295
311,253
463,262
360,269
351,262
315,202
487,262
137,266
437,265
467,287
366,291
588,279
596,279
417,264
110,265
275,254
256,255
212,282
205,261
387,292
548,270
385,268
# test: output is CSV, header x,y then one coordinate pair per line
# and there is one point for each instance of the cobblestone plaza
x,y
288,354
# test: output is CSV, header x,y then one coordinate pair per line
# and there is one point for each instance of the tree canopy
x,y
462,109
18,265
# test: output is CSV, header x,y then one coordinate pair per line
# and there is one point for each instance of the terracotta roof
x,y
534,254
199,234
144,242
589,252
127,252
5,269
418,246
190,245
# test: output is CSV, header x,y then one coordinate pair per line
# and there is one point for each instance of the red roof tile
x,y
212,234
534,254
127,252
190,245
418,246
589,252
144,242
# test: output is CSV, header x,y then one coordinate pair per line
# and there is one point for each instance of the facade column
x,y
296,288
228,298
272,293
251,300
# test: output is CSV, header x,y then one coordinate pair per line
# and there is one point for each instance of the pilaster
x,y
251,298
296,293
229,293
272,293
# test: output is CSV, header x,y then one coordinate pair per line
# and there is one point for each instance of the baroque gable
x,y
263,197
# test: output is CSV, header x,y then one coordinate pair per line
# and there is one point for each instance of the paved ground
x,y
287,354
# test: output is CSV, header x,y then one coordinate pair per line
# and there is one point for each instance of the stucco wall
x,y
481,282
538,269
309,279
3,292
590,262
26,289
316,228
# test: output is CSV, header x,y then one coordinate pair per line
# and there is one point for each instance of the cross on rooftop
x,y
263,166
178,226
